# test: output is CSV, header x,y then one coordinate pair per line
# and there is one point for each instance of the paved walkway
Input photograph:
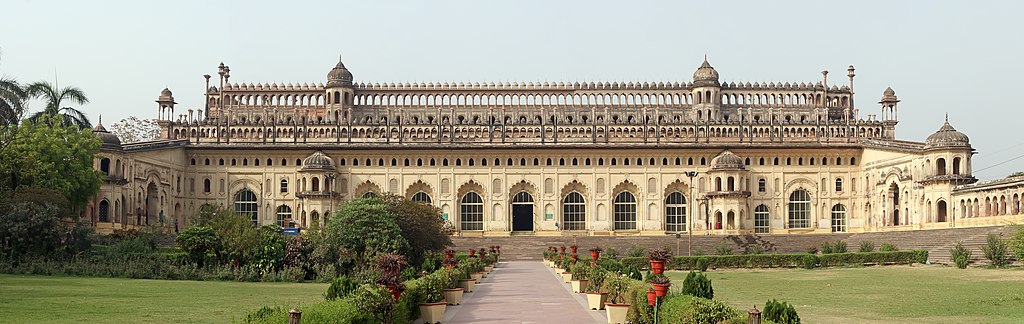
x,y
523,292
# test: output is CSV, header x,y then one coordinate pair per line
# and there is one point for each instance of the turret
x,y
890,114
706,93
340,92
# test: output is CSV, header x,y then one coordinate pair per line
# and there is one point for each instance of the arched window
x,y
839,218
471,212
761,220
245,204
574,212
315,185
284,185
762,185
839,184
940,166
800,209
105,165
956,165
675,212
284,214
104,211
940,213
422,197
625,211
206,185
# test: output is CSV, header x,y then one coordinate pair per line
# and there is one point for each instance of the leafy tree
x,y
422,226
55,157
34,225
1016,243
133,129
236,237
697,284
12,101
198,241
1016,174
55,99
358,231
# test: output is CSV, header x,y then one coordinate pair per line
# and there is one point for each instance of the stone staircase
x,y
937,241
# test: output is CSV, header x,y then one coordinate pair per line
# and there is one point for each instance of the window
x,y
625,211
206,185
316,184
761,222
471,212
574,212
762,185
221,162
800,209
192,162
234,162
284,185
206,162
245,204
422,197
675,212
839,218
104,211
839,184
284,214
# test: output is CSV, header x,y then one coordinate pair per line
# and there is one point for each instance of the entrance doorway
x,y
522,212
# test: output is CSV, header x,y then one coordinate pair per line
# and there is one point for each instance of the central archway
x,y
522,212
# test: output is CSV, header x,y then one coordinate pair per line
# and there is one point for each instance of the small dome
x,y
888,92
108,140
947,137
705,74
166,92
727,161
339,76
318,161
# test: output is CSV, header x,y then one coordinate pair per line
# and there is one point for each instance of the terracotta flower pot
x,y
472,252
661,289
596,300
467,284
594,255
449,255
658,266
616,313
394,291
573,250
566,276
652,298
578,285
432,312
453,296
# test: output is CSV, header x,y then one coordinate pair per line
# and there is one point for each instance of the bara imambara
x,y
552,158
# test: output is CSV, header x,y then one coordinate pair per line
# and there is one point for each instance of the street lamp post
x,y
689,217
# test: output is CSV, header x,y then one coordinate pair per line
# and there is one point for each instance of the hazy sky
x,y
963,57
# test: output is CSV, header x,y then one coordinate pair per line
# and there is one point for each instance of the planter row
x,y
434,312
595,300
784,260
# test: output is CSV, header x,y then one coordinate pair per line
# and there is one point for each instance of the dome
x,y
318,161
888,92
705,74
166,93
727,161
339,76
947,136
108,140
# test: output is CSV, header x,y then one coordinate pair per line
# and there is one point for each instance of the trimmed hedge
x,y
784,260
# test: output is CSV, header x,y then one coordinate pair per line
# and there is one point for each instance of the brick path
x,y
523,292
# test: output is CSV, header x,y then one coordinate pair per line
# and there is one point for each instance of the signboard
x,y
549,216
294,231
444,216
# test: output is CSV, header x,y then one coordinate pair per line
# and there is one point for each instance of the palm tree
x,y
54,98
12,99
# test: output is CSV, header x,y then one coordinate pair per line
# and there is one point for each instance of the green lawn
x,y
32,299
905,294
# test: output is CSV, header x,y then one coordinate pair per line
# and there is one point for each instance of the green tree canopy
x,y
422,226
365,228
1016,174
51,156
55,99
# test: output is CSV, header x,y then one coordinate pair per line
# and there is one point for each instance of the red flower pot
x,y
575,257
658,266
472,252
449,255
594,255
394,291
573,250
562,249
652,298
661,289
449,266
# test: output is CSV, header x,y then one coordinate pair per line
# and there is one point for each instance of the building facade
x,y
552,158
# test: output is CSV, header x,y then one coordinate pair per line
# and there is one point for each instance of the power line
x,y
1000,163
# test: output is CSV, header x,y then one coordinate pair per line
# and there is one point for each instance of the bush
x,y
812,249
960,255
839,247
810,261
698,285
867,246
637,251
341,287
995,251
780,312
702,264
888,247
198,241
1016,243
723,248
754,249
826,248
709,311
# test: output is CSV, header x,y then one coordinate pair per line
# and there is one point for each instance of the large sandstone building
x,y
552,158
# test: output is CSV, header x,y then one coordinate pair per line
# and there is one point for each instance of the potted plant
x,y
432,303
658,257
580,276
561,249
450,263
391,265
573,248
652,297
449,253
616,308
661,284
595,297
595,252
452,292
393,283
472,252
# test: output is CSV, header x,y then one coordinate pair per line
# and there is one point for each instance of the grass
x,y
42,299
906,294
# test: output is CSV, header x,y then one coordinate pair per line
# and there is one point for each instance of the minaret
x,y
890,114
165,111
340,96
706,93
